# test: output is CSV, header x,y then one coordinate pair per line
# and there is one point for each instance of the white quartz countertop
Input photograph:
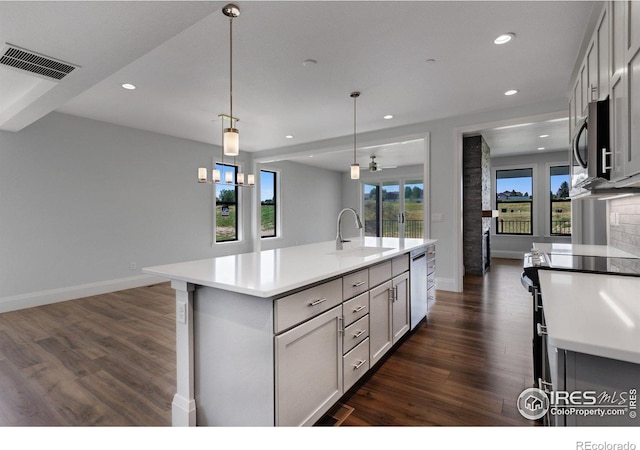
x,y
582,250
269,273
596,314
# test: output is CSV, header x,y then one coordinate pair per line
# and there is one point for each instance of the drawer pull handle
x,y
544,386
542,330
359,333
317,302
359,283
359,364
359,308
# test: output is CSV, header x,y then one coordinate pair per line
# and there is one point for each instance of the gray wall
x,y
515,246
310,200
81,200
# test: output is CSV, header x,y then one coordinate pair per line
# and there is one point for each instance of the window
x,y
226,206
560,212
414,208
371,210
268,205
394,209
514,201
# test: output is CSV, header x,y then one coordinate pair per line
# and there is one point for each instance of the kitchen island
x,y
582,250
277,337
592,340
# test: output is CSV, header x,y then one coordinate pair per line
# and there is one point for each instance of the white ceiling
x,y
177,54
528,137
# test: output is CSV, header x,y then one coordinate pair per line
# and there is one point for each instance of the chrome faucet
x,y
339,239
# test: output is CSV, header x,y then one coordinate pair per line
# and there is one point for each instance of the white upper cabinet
x,y
602,42
633,8
611,68
632,165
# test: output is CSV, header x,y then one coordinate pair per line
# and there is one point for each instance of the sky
x,y
524,185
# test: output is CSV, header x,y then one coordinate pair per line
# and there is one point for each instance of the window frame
x,y
550,201
533,204
218,165
402,182
276,203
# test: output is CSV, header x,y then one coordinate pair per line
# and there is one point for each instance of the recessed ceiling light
x,y
128,86
309,62
430,61
544,135
540,148
289,136
511,92
388,116
504,38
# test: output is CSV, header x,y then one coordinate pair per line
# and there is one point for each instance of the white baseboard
x,y
445,284
47,297
507,254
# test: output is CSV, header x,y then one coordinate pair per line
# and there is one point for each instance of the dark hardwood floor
x,y
464,366
103,360
110,360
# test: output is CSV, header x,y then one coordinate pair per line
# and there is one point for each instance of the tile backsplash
x,y
624,227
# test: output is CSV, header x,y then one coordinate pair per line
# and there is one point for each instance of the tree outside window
x,y
268,204
226,206
560,213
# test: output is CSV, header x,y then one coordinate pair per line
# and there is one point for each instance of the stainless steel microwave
x,y
590,153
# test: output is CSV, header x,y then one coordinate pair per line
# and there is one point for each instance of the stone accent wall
x,y
624,228
476,196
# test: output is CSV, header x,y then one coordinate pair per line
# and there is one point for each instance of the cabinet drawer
x,y
355,333
379,273
355,364
431,267
431,298
399,264
431,252
355,284
303,305
431,282
355,308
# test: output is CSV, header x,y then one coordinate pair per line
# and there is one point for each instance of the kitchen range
x,y
584,330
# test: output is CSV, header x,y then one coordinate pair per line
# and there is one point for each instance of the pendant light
x,y
231,142
355,167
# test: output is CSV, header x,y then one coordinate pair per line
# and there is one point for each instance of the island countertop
x,y
269,273
582,250
594,314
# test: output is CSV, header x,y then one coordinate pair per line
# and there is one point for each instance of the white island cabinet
x,y
592,346
275,338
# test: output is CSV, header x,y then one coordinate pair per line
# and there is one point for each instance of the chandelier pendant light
x,y
216,178
230,135
231,142
355,167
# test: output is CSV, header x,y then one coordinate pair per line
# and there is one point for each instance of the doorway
x,y
394,208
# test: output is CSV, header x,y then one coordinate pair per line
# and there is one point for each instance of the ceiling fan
x,y
374,167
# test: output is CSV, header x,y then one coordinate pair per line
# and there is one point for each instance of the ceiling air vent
x,y
44,66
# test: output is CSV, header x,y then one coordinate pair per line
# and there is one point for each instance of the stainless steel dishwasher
x,y
418,285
